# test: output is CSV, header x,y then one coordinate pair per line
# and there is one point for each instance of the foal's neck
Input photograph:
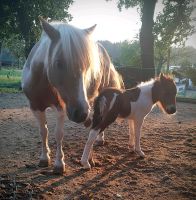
x,y
146,87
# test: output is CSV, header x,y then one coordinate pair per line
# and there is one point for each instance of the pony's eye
x,y
58,64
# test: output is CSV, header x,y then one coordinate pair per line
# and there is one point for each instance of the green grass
x,y
10,80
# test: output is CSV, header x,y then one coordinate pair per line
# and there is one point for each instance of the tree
x,y
126,53
130,54
172,27
16,45
147,8
21,17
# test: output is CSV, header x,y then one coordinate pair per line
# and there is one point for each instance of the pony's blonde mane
x,y
79,50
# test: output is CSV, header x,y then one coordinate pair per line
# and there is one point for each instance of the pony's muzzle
x,y
171,109
77,114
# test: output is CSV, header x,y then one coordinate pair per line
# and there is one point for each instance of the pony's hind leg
x,y
45,157
59,166
131,145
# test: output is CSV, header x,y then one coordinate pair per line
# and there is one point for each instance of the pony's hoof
x,y
131,148
85,165
44,163
59,170
92,162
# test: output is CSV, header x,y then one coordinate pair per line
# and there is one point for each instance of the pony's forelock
x,y
79,50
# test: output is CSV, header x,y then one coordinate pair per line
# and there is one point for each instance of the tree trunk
x,y
168,58
147,40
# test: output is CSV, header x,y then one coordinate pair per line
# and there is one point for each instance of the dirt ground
x,y
167,172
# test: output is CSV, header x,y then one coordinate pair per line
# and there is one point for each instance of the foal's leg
x,y
45,157
137,127
131,145
100,138
88,149
59,166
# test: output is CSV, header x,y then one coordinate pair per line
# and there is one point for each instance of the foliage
x,y
184,56
10,80
172,27
190,72
124,53
21,17
130,54
16,45
129,3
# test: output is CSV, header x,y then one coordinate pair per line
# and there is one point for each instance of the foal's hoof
x,y
100,143
140,153
44,163
85,165
92,162
59,170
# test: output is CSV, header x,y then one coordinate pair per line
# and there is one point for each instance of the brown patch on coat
x,y
121,106
99,117
130,95
163,85
42,94
87,123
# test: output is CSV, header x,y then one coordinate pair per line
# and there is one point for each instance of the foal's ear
x,y
52,33
90,30
161,76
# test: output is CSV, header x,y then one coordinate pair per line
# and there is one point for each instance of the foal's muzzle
x,y
77,114
171,109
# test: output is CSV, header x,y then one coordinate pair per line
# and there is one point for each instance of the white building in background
x,y
174,67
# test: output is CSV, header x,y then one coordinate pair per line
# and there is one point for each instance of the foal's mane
x,y
153,80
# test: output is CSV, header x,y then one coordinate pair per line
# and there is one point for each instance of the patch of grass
x,y
10,80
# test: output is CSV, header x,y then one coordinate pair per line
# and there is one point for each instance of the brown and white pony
x,y
132,104
65,69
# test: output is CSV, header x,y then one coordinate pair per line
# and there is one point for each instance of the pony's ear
x,y
90,30
161,76
50,30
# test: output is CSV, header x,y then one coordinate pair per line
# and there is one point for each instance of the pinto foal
x,y
133,104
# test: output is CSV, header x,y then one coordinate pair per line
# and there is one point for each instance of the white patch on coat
x,y
144,103
82,96
113,101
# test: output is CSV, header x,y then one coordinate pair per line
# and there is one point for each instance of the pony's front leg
x,y
45,157
87,153
131,145
137,129
100,138
59,166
